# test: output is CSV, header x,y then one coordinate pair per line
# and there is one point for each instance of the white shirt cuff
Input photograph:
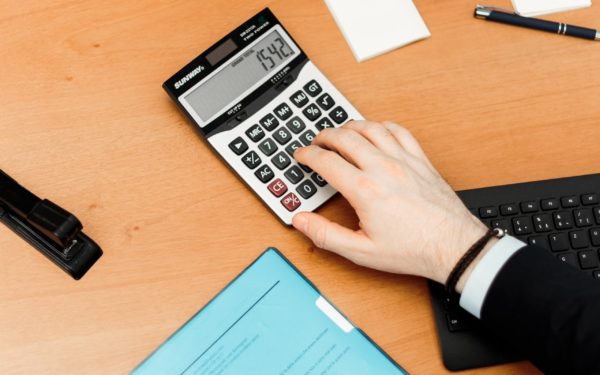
x,y
485,272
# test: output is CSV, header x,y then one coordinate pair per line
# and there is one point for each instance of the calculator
x,y
256,97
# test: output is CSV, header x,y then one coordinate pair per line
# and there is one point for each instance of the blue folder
x,y
269,320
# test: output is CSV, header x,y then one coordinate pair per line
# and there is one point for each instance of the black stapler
x,y
47,227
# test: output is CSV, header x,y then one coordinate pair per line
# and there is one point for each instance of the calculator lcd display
x,y
242,72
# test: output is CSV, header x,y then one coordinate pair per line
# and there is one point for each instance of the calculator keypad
x,y
313,88
264,173
238,145
294,174
306,189
293,147
296,125
283,111
269,122
282,135
312,112
325,101
338,115
277,187
268,147
255,133
251,159
281,160
299,99
289,125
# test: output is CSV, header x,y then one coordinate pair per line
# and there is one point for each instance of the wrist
x,y
460,285
459,241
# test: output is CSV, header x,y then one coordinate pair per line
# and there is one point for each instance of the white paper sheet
x,y
536,7
374,27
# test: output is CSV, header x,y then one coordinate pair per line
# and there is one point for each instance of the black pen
x,y
505,16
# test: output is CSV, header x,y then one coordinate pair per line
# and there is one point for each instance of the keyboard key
x,y
569,258
299,99
488,212
503,224
597,214
529,207
579,239
305,168
281,160
282,135
318,179
559,242
277,187
324,123
522,225
542,223
312,112
269,122
264,173
509,209
255,133
268,147
313,88
595,236
589,199
283,111
570,201
588,259
251,159
596,274
296,125
563,219
325,101
459,322
294,174
293,147
539,241
306,189
583,217
291,202
238,145
307,137
338,115
549,204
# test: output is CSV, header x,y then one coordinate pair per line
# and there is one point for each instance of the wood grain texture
x,y
84,122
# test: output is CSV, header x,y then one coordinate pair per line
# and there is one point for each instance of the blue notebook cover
x,y
269,320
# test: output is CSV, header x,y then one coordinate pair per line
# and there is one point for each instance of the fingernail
x,y
300,221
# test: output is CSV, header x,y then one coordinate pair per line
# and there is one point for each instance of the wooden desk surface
x,y
84,122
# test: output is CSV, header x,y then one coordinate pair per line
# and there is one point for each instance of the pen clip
x,y
488,8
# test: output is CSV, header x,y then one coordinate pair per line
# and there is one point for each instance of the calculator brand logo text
x,y
189,76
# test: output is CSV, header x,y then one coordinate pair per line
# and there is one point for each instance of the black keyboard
x,y
561,215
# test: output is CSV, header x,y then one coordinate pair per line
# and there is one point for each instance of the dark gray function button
x,y
255,133
299,99
313,88
238,146
283,111
251,159
269,122
312,112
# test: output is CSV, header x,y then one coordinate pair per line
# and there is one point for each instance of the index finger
x,y
338,172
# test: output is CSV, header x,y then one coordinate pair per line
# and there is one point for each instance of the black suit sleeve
x,y
547,310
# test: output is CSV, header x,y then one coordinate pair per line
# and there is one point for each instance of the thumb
x,y
331,236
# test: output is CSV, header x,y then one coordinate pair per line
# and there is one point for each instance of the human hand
x,y
410,219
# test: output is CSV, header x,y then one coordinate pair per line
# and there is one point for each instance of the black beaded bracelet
x,y
468,258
